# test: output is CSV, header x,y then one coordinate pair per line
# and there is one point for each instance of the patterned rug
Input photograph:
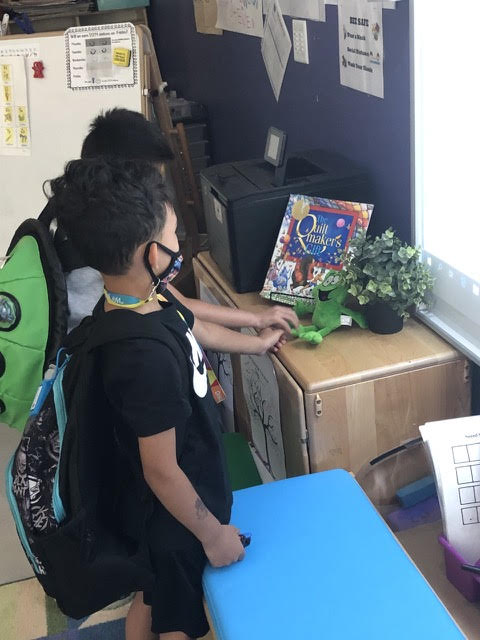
x,y
26,613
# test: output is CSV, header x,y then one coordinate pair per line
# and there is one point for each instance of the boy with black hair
x,y
121,133
126,134
118,216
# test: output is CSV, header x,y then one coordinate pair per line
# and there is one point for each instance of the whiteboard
x,y
59,121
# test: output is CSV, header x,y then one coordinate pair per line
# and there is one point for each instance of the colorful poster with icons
x,y
14,120
313,236
101,56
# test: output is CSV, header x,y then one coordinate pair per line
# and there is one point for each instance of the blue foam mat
x,y
321,564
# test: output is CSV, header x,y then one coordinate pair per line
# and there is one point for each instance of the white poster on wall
x,y
276,46
242,16
360,36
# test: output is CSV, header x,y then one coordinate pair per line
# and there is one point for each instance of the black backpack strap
x,y
55,280
48,214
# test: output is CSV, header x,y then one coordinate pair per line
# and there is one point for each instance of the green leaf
x,y
410,251
369,270
386,288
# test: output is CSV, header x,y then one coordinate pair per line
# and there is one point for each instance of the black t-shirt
x,y
155,385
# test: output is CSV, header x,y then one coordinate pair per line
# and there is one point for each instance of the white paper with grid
x,y
454,446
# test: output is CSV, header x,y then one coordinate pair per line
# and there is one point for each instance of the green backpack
x,y
33,318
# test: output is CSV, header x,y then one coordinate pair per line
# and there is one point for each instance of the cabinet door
x,y
294,430
290,396
262,400
351,425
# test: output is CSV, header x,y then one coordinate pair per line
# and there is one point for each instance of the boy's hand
x,y
224,547
271,340
276,347
279,317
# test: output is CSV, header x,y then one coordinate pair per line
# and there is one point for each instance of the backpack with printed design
x,y
78,498
33,317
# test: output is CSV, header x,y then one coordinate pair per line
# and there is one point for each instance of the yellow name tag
x,y
121,57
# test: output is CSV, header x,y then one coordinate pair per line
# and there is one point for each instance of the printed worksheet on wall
x,y
276,47
360,44
454,447
101,56
242,16
206,17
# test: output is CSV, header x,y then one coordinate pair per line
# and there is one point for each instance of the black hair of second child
x,y
122,133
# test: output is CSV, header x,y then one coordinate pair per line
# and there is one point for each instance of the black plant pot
x,y
383,319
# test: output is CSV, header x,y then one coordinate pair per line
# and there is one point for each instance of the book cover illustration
x,y
313,235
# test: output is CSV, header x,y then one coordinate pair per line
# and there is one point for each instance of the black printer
x,y
244,203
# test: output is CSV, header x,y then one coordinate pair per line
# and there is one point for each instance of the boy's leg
x,y
139,620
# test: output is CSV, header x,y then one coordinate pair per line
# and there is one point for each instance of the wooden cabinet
x,y
357,394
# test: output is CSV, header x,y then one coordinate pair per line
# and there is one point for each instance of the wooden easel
x,y
182,174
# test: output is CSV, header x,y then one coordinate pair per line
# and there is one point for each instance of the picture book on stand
x,y
313,236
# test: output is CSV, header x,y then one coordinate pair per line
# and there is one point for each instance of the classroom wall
x,y
227,74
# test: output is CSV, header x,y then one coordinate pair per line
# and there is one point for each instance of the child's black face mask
x,y
170,272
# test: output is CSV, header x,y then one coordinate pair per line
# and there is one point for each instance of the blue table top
x,y
322,564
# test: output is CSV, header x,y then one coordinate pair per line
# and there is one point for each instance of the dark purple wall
x,y
227,74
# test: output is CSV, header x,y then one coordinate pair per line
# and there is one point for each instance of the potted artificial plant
x,y
386,275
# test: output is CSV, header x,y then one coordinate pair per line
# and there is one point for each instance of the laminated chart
x,y
14,114
101,56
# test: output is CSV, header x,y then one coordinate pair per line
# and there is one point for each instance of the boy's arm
x,y
218,338
168,482
258,318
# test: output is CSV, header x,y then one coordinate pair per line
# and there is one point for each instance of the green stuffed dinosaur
x,y
327,309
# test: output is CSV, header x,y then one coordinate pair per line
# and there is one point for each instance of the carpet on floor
x,y
26,613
